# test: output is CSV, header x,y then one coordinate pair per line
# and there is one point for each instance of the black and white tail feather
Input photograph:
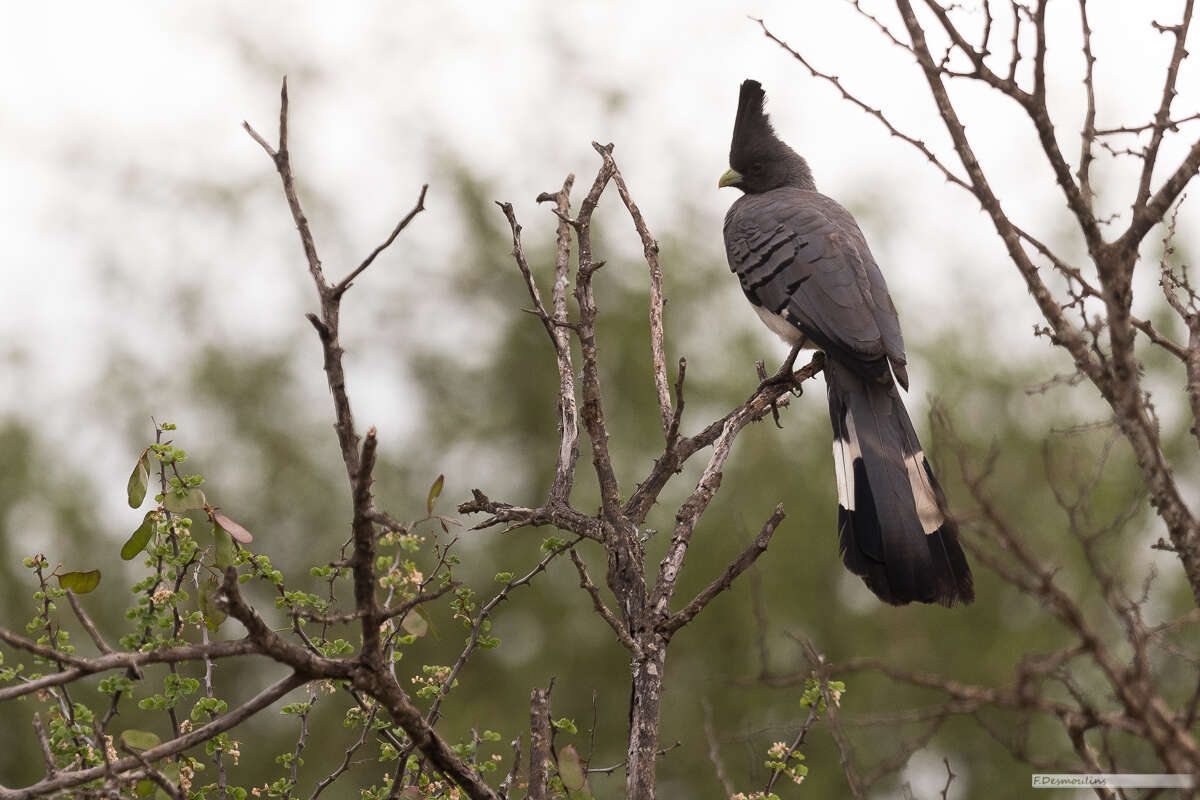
x,y
892,527
805,266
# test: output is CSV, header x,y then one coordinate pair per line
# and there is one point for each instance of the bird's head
x,y
758,160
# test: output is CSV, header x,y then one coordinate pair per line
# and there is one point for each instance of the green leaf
x,y
145,788
232,528
188,501
139,740
225,553
80,582
570,770
139,479
140,538
434,491
417,624
213,616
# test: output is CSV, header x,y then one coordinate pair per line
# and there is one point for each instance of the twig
x,y
657,302
618,627
325,782
225,722
845,751
344,284
1163,115
874,112
87,623
792,748
950,776
511,778
593,404
44,743
714,750
726,579
1088,134
162,781
90,666
484,614
376,679
615,767
1172,125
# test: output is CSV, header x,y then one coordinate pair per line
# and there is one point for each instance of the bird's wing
x,y
801,256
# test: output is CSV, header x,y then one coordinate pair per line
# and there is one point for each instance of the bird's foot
x,y
784,377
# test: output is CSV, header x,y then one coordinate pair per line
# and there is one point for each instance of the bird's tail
x,y
892,526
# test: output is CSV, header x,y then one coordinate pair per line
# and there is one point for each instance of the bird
x,y
804,264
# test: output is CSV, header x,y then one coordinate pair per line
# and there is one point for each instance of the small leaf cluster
x,y
789,763
814,695
177,600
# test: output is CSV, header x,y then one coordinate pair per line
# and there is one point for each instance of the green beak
x,y
731,178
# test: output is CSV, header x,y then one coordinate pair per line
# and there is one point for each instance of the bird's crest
x,y
751,123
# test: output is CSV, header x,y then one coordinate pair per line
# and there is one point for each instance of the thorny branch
x,y
1110,365
1106,355
643,621
369,671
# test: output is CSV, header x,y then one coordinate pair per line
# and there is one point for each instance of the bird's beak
x,y
731,178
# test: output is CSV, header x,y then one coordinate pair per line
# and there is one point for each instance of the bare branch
x,y
878,24
344,766
562,517
669,464
384,614
618,627
344,284
874,112
109,661
1163,115
87,623
950,776
726,579
160,780
539,743
1155,209
657,302
568,413
518,253
283,165
44,743
511,778
593,405
1172,125
1088,134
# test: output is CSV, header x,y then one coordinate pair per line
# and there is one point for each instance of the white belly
x,y
780,326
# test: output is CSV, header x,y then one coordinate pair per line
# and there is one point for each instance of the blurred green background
x,y
173,287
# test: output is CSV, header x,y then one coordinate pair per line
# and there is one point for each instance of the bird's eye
x,y
756,168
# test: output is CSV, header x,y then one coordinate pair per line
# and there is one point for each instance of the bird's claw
x,y
785,376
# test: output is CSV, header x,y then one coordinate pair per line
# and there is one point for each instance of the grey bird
x,y
805,266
